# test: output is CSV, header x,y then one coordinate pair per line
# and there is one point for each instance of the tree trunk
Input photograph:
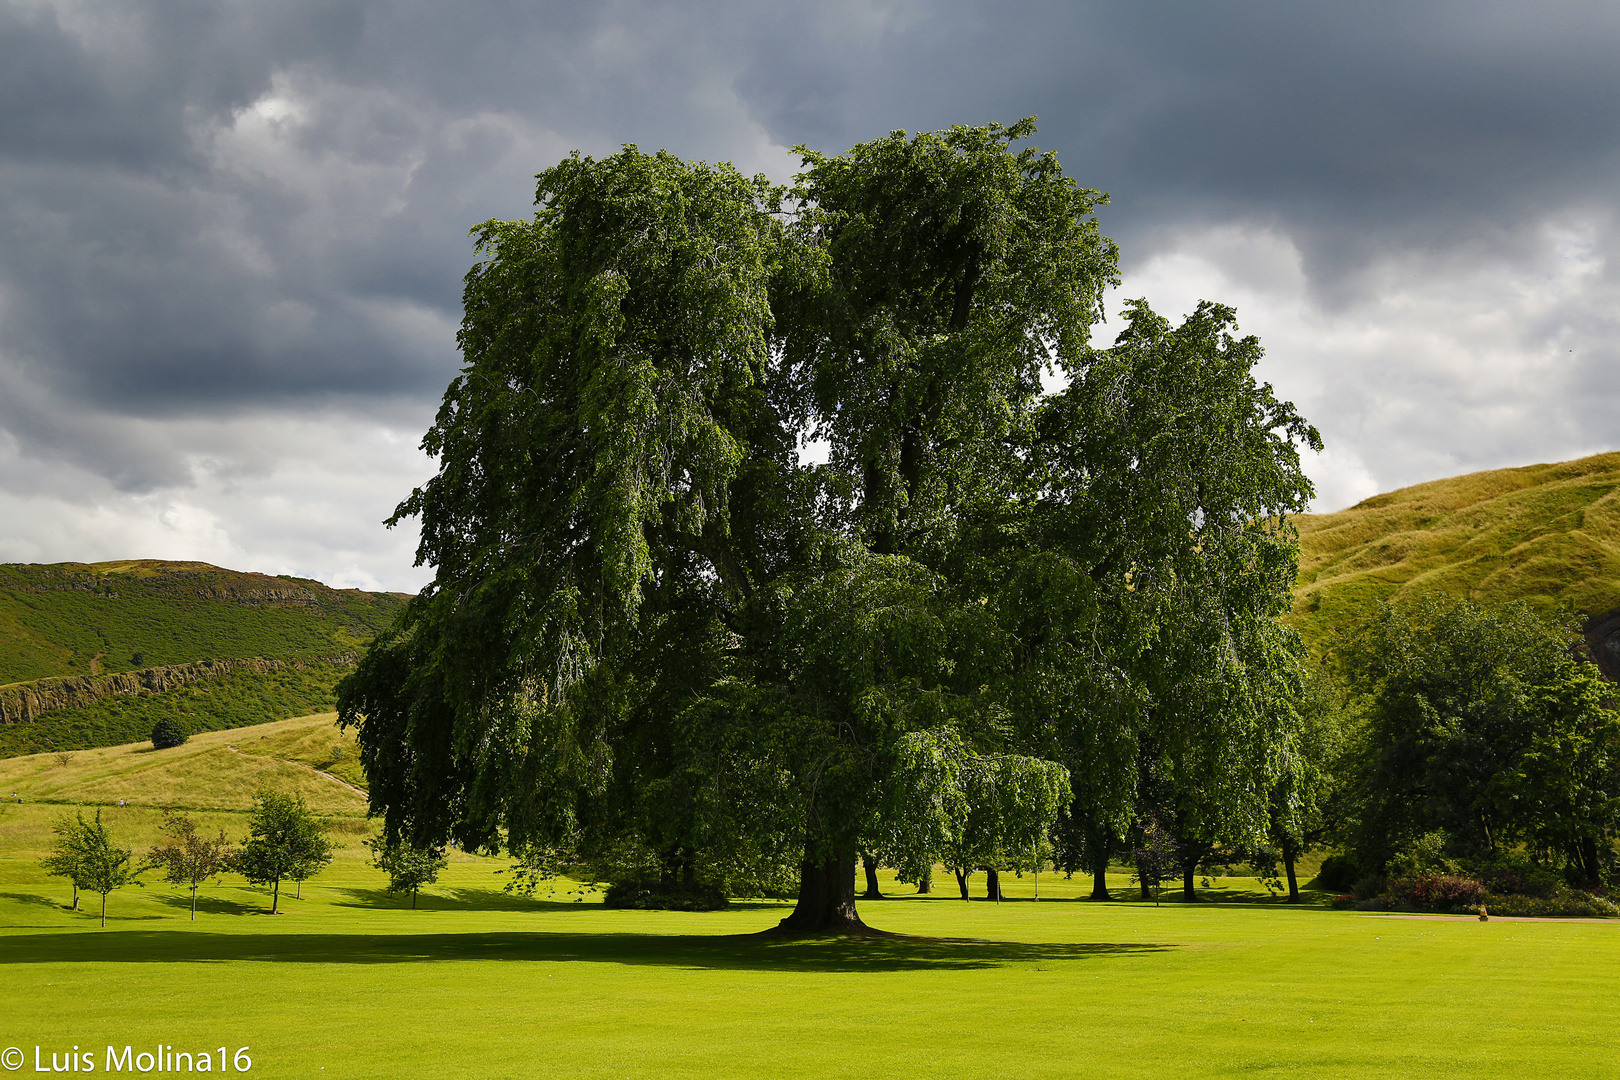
x,y
1099,873
1288,865
992,885
103,909
872,892
926,885
1147,894
300,894
194,903
1591,866
826,898
1187,873
75,896
962,880
413,899
275,896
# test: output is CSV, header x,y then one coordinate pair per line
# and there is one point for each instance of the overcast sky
x,y
232,234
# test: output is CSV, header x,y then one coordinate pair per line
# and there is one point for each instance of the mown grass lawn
x,y
351,983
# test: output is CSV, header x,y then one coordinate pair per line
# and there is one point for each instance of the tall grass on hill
x,y
217,771
1546,534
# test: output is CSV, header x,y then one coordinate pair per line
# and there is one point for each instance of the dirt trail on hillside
x,y
304,765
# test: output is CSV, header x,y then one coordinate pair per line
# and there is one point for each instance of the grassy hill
x,y
100,618
92,654
1549,534
217,770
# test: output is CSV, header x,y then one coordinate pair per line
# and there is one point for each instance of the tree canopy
x,y
654,627
285,841
1483,730
188,859
86,853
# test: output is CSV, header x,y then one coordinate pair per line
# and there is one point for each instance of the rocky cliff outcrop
x,y
1603,642
22,702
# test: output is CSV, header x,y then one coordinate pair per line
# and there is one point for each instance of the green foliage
x,y
1483,730
187,859
644,896
167,733
86,853
948,804
238,699
285,841
1338,873
1565,903
652,631
408,867
57,619
67,854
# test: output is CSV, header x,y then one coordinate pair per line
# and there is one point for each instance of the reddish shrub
x,y
1436,892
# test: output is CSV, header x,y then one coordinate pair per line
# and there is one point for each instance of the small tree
x,y
1156,857
67,853
86,854
408,867
188,860
285,841
167,733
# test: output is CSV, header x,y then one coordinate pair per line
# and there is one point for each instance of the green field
x,y
352,983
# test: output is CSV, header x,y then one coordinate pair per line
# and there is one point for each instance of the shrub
x,y
1368,886
1569,903
167,732
1519,877
1445,893
1338,873
635,894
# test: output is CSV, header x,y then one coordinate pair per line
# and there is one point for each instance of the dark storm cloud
x,y
218,209
208,206
1358,125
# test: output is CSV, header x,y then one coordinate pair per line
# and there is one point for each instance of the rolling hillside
x,y
1549,534
217,770
101,618
93,654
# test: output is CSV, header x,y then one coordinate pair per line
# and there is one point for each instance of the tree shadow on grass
x,y
209,905
436,899
684,951
468,899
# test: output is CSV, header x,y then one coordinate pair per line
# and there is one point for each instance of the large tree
x,y
652,624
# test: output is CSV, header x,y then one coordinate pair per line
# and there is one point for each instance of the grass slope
x,y
102,618
83,619
1546,533
218,770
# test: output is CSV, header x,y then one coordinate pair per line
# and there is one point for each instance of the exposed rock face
x,y
1603,642
22,702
